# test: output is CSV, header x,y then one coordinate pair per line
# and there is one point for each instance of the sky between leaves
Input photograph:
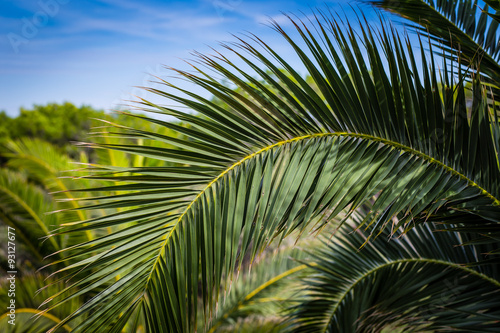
x,y
96,52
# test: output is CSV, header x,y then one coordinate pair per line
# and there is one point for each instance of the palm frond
x,y
23,206
283,159
495,4
42,160
31,290
46,165
457,27
418,282
265,291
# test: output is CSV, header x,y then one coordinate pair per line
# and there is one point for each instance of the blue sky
x,y
96,52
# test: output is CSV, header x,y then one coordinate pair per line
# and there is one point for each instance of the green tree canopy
x,y
55,123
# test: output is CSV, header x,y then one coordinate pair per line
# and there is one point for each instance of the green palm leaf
x,y
418,282
264,292
47,166
31,290
278,161
458,27
42,160
23,206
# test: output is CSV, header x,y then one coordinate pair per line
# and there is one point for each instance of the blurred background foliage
x,y
39,159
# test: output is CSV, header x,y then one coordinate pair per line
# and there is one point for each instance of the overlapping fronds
x,y
30,291
466,29
418,282
43,161
280,158
264,292
23,207
46,166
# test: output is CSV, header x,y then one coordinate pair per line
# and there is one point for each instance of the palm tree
x,y
382,139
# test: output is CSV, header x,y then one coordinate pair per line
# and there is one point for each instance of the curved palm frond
x,y
420,281
279,161
43,161
23,206
31,290
264,292
458,27
47,166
